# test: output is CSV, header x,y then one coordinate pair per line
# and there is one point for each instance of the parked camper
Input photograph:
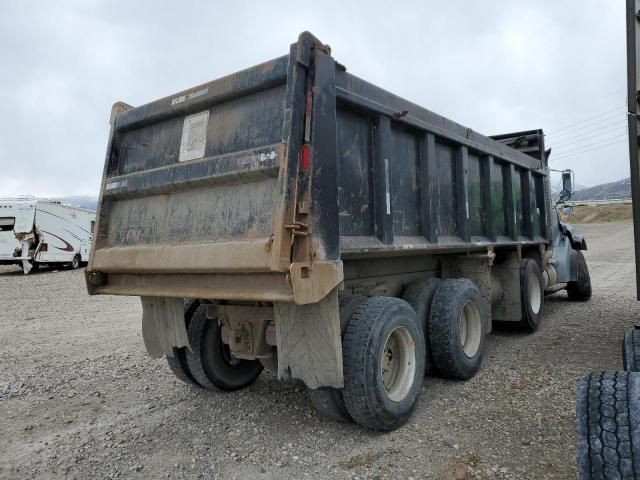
x,y
37,232
330,230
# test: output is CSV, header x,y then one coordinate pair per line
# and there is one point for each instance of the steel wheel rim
x,y
535,298
470,328
398,364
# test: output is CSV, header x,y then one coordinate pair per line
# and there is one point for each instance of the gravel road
x,y
79,397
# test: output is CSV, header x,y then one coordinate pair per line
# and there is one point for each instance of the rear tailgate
x,y
196,191
199,188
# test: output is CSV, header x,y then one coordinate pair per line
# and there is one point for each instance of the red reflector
x,y
305,157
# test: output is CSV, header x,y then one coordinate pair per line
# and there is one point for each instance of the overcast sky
x,y
494,66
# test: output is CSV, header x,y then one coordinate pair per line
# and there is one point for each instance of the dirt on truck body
x,y
296,217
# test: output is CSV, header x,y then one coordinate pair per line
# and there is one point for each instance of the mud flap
x,y
309,342
163,325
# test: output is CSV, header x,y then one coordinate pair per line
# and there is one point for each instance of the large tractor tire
x,y
457,328
384,355
580,290
608,425
531,294
631,350
419,295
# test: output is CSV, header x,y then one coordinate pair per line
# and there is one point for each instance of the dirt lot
x,y
79,398
599,214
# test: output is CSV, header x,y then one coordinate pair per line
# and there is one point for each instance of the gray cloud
x,y
494,66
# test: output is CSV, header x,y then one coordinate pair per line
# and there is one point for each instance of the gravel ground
x,y
79,397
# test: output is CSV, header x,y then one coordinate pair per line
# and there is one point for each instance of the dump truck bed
x,y
258,185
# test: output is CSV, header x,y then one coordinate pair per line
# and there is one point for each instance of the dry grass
x,y
598,214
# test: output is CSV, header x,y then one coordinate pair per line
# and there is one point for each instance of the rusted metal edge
x,y
272,287
312,281
236,255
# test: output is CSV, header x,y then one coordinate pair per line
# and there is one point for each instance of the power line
x,y
568,155
589,119
589,136
592,144
586,129
617,117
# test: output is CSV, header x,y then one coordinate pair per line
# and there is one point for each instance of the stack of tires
x,y
608,418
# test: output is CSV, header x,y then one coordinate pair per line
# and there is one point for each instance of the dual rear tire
x,y
209,363
384,357
385,351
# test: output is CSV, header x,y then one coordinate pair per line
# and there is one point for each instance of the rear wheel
x,y
419,294
580,290
531,294
210,360
178,363
608,425
384,355
457,328
328,402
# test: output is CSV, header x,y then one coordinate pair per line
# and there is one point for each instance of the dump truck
x,y
295,217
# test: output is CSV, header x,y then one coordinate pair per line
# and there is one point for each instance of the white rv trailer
x,y
35,232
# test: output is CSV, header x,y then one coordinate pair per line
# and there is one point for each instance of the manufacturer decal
x,y
189,96
112,185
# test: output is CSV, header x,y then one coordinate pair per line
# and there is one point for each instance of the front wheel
x,y
210,361
384,358
75,263
531,294
580,289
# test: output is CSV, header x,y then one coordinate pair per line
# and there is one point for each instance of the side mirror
x,y
567,185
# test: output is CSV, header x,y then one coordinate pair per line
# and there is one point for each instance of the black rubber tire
x,y
449,357
530,320
419,295
580,290
631,350
209,359
75,263
362,349
608,425
347,305
178,363
180,368
328,402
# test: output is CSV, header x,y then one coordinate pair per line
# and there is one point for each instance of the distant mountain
x,y
556,188
84,201
605,191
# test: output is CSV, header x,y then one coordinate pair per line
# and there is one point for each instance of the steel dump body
x,y
259,185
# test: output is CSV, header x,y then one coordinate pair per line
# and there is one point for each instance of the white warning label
x,y
194,136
